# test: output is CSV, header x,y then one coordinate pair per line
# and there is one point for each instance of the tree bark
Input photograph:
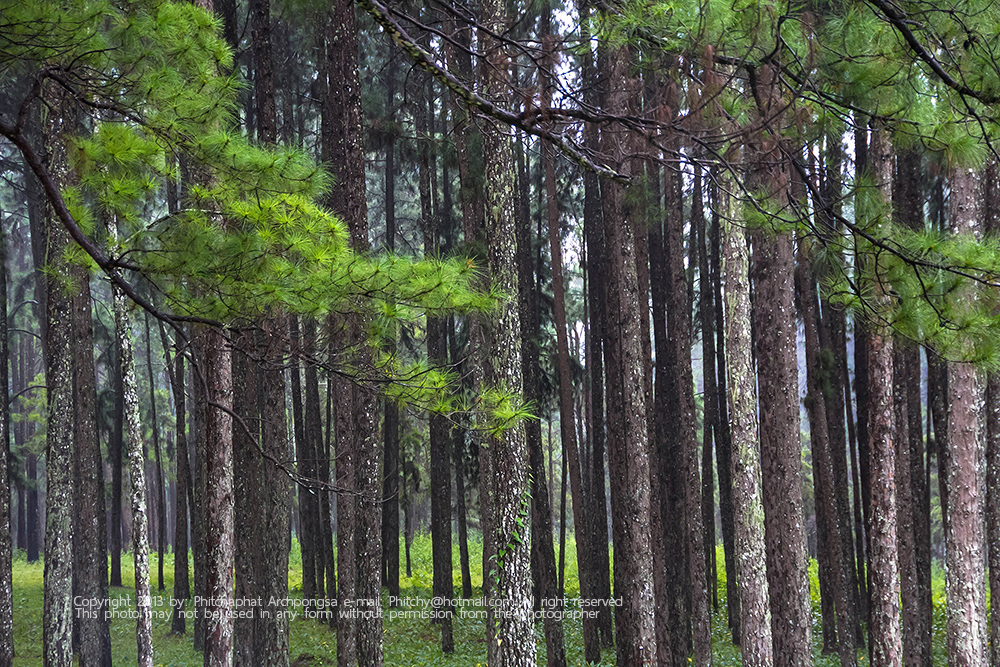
x,y
885,642
137,466
57,620
6,539
218,528
90,544
510,638
965,557
628,446
757,645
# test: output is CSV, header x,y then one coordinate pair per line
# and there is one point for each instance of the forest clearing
x,y
621,332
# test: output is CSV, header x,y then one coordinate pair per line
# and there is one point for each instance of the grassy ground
x,y
408,642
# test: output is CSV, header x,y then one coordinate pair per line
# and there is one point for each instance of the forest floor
x,y
409,642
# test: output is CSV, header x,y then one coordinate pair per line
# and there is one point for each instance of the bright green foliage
x,y
250,237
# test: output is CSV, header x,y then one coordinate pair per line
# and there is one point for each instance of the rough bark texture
x,y
991,220
57,621
218,528
965,556
543,555
182,585
780,450
757,645
510,639
885,642
270,641
917,615
823,465
136,468
90,538
594,472
343,139
628,446
6,540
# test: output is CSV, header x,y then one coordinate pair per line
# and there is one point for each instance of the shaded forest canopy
x,y
675,280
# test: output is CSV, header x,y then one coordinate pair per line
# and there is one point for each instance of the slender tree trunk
x,y
137,465
780,449
756,643
724,445
541,510
90,545
628,446
182,585
6,539
57,620
161,501
965,557
343,144
885,643
308,525
390,418
567,418
116,446
505,477
218,527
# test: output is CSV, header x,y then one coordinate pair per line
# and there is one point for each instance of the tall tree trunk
x,y
6,539
885,642
723,453
161,501
777,366
510,639
628,446
137,466
57,620
991,225
218,523
756,643
390,416
343,143
567,418
541,510
182,585
595,472
914,527
90,551
823,464
965,557
680,336
116,446
270,642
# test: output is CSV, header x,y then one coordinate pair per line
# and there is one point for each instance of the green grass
x,y
408,641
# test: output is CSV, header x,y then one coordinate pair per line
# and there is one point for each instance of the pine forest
x,y
499,332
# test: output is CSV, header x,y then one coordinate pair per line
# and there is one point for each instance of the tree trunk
x,y
510,638
885,643
161,501
90,580
541,510
57,623
343,139
218,528
965,557
756,643
780,448
628,445
6,539
823,464
182,585
137,465
271,626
